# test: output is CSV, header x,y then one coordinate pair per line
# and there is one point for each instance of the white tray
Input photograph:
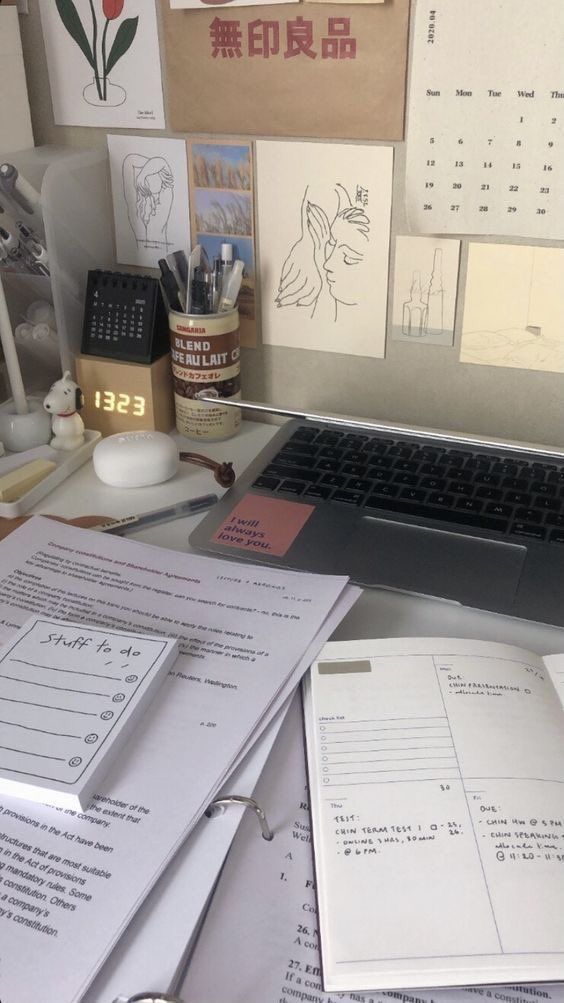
x,y
66,462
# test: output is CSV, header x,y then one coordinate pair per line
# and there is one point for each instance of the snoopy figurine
x,y
63,402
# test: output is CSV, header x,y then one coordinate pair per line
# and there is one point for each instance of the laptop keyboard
x,y
485,490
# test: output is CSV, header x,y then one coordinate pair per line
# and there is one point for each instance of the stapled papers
x,y
243,633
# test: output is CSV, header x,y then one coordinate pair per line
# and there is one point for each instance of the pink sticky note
x,y
265,525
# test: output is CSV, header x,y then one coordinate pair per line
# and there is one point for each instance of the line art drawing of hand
x,y
300,280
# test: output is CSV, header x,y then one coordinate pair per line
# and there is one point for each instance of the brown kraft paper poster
x,y
328,72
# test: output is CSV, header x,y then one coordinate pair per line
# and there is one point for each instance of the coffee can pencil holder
x,y
205,355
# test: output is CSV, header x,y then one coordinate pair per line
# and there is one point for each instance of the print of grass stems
x,y
220,173
235,217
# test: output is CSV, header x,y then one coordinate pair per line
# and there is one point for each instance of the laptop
x,y
454,517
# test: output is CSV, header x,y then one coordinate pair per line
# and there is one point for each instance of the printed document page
x,y
156,939
260,941
151,948
436,772
72,881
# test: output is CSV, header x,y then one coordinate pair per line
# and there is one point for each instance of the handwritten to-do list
x,y
485,138
69,696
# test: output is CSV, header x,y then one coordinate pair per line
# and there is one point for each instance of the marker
x,y
170,285
200,292
193,263
131,523
34,247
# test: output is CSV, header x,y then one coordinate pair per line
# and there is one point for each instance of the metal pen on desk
x,y
131,523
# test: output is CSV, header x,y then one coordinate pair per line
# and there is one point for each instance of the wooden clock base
x,y
125,396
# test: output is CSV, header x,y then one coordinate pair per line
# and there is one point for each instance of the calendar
x,y
124,317
485,136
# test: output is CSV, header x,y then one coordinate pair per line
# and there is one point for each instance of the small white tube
x,y
11,357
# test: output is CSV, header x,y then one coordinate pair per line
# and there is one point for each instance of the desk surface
x,y
378,613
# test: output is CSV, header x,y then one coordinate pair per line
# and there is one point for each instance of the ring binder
x,y
214,809
216,806
148,998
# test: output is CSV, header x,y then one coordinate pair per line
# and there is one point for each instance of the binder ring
x,y
217,806
149,998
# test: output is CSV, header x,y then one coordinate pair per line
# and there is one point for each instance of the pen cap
x,y
226,254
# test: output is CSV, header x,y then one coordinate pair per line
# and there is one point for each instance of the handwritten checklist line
x,y
74,672
43,731
50,686
46,706
26,752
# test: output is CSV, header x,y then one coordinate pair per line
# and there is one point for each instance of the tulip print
x,y
95,48
112,8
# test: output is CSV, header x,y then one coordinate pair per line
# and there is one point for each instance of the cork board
x,y
327,72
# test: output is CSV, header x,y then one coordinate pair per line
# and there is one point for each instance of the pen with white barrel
x,y
131,523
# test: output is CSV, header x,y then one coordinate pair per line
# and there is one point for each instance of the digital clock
x,y
125,396
107,400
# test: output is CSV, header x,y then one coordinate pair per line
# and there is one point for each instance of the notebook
x,y
436,771
465,519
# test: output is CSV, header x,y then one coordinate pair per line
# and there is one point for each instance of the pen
x,y
200,292
131,523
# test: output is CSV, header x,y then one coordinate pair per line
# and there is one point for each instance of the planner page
x,y
437,795
485,151
260,940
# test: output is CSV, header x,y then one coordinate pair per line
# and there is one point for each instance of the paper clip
x,y
216,807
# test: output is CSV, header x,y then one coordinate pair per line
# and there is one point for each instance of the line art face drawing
x,y
325,268
148,189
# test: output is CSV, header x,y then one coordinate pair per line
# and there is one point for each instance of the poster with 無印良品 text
x,y
333,71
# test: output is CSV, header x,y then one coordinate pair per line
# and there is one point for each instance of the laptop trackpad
x,y
435,562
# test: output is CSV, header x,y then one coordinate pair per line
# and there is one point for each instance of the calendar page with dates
x,y
485,137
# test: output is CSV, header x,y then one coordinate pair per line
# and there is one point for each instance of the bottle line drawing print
x,y
423,312
100,52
